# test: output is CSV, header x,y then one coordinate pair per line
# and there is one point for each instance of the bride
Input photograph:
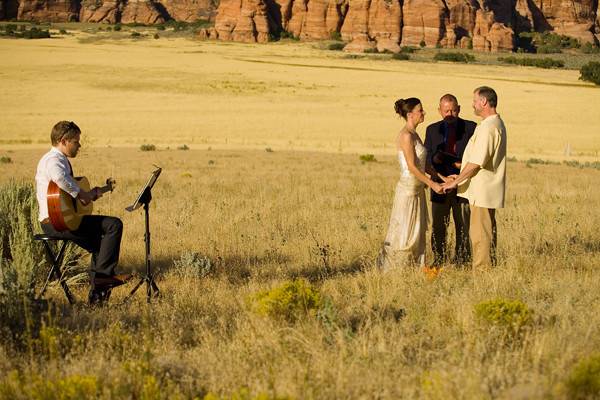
x,y
405,240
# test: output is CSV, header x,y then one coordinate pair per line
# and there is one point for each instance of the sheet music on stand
x,y
147,187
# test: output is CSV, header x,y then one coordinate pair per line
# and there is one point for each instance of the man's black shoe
x,y
109,282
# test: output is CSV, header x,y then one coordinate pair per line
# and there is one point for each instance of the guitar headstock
x,y
110,184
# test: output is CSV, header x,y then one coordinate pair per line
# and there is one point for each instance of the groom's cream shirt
x,y
486,148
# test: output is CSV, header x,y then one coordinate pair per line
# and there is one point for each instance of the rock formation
x,y
244,21
423,22
188,10
572,18
385,24
489,35
487,25
142,12
99,11
46,10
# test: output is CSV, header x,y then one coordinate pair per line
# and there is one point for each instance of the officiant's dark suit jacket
x,y
435,140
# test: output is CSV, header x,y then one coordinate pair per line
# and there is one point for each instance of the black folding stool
x,y
55,261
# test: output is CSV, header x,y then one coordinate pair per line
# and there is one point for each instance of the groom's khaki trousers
x,y
482,231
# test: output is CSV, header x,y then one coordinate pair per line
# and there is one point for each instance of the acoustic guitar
x,y
67,212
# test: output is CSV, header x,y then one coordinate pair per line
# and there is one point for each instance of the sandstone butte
x,y
487,25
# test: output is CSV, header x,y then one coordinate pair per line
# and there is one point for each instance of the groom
x,y
482,178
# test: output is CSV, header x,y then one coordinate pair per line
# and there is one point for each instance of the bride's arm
x,y
405,142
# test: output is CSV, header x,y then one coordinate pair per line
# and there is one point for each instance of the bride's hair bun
x,y
404,106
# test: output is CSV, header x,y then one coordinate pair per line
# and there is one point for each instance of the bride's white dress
x,y
405,240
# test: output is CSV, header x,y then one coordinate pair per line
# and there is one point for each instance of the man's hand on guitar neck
x,y
87,197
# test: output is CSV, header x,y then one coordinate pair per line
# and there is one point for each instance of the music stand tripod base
x,y
144,199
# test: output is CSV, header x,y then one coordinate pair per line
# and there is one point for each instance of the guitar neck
x,y
104,189
110,185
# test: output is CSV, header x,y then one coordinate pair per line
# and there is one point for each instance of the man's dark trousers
x,y
442,205
101,236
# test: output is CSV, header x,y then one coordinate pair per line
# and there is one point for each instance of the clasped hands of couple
x,y
449,184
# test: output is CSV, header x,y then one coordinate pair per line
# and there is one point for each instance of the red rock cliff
x,y
488,25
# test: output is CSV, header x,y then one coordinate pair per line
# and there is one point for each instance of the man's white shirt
x,y
54,166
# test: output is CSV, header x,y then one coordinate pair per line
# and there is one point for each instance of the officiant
x,y
445,141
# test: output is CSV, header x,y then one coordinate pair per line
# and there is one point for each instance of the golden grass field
x,y
307,209
288,96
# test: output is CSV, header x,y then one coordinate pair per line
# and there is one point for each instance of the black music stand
x,y
144,197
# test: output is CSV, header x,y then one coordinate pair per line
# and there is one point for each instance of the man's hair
x,y
489,94
449,98
64,130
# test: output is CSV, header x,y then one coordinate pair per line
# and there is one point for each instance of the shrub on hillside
x,y
147,147
364,158
584,380
289,301
591,72
408,49
287,35
22,32
400,56
589,48
454,57
545,43
505,313
5,160
336,46
532,62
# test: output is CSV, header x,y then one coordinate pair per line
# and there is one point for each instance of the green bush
x,y
245,394
135,34
590,72
584,380
156,36
408,49
545,49
422,43
335,35
192,265
367,158
371,50
183,147
336,46
400,56
63,32
33,33
290,301
35,386
287,35
147,147
117,27
454,57
506,313
545,43
20,256
589,48
5,160
533,62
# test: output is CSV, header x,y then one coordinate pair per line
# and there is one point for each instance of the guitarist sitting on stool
x,y
98,234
